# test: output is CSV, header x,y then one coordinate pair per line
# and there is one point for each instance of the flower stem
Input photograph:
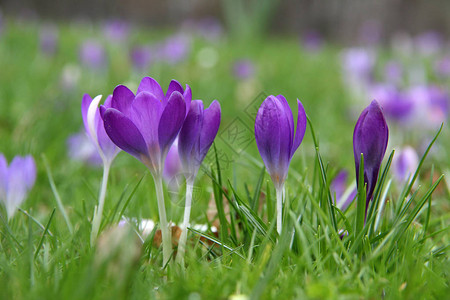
x,y
279,192
184,231
98,213
165,232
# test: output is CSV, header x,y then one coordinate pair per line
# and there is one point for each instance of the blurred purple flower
x,y
431,106
146,124
48,38
442,67
116,30
92,54
312,41
275,136
15,181
338,188
172,165
393,72
405,163
174,49
243,69
358,65
370,138
95,129
141,57
396,106
208,28
80,148
197,135
429,43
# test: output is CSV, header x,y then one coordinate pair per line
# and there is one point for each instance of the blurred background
x,y
334,55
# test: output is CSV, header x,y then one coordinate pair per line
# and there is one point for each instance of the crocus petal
x,y
122,99
370,138
210,127
84,109
124,133
93,119
171,121
187,97
286,124
301,127
3,176
267,135
174,86
151,86
288,115
190,133
146,114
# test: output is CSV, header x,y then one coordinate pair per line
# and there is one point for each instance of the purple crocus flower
x,y
146,124
141,57
275,138
277,141
48,38
312,41
405,163
95,129
197,135
370,138
92,54
243,69
116,30
442,67
15,181
344,195
80,148
175,49
396,105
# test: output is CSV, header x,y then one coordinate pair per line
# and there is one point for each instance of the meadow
x,y
234,251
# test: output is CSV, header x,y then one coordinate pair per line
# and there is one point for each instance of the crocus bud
x,y
197,135
275,136
370,138
15,181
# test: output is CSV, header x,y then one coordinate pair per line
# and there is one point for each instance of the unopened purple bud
x,y
370,138
276,138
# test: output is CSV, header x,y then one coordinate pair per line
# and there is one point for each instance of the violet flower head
x,y
116,30
141,57
370,138
95,128
48,38
15,181
275,136
312,41
197,135
405,163
146,124
92,54
243,69
175,49
80,148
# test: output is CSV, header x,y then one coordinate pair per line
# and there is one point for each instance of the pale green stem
x,y
98,213
184,231
279,192
165,232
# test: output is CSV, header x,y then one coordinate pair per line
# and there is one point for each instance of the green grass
x,y
401,251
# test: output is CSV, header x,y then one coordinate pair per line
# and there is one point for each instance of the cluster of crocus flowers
x,y
145,125
15,181
370,139
106,149
277,141
196,137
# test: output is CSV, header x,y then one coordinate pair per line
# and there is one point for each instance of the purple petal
x,y
3,176
124,133
172,165
85,102
190,134
122,99
187,97
146,114
301,127
174,86
150,85
171,121
210,127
